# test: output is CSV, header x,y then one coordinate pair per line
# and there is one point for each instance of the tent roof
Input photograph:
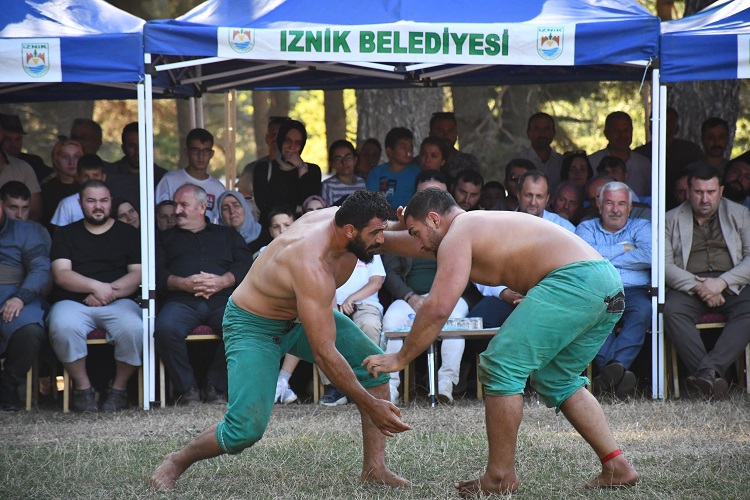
x,y
76,41
713,44
597,40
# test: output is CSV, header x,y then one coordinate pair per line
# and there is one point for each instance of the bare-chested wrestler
x,y
572,299
284,305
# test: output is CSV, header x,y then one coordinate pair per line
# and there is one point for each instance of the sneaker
x,y
191,397
9,399
84,401
214,396
288,397
117,400
394,394
445,391
333,397
281,387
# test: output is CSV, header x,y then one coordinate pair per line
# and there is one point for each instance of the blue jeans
x,y
624,347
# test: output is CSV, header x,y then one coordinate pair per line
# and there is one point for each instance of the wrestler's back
x,y
515,249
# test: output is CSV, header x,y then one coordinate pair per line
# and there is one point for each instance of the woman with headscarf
x,y
287,179
235,212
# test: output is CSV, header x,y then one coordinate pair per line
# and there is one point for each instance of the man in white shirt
x,y
90,167
533,196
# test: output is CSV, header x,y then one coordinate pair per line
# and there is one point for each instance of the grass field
x,y
687,449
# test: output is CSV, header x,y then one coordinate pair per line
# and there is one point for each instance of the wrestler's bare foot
x,y
384,476
616,473
486,485
165,476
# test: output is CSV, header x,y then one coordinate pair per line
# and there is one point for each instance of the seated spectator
x,y
313,203
341,159
15,169
591,206
199,146
443,126
288,179
165,215
395,179
681,188
358,299
430,178
567,201
467,189
125,211
618,129
493,196
64,182
90,167
16,197
714,139
576,168
124,175
626,243
432,154
368,157
88,134
736,181
513,170
96,267
12,144
540,130
235,212
707,270
533,195
615,168
198,265
408,280
24,273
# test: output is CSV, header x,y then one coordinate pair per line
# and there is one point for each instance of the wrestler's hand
x,y
386,417
11,309
382,363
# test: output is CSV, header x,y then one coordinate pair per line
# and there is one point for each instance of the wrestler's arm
x,y
314,289
401,243
453,270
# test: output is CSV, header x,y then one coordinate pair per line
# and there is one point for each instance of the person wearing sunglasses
x,y
513,171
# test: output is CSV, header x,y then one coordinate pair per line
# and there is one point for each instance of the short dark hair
x,y
361,207
616,115
280,209
276,120
518,162
88,122
611,162
15,189
90,161
493,185
712,122
129,129
535,176
200,135
341,143
540,114
442,115
372,140
704,173
93,183
435,142
428,200
430,175
469,175
397,134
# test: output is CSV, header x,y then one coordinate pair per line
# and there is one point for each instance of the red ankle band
x,y
611,456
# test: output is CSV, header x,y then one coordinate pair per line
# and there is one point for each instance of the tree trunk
x,y
279,103
261,107
379,110
478,131
696,101
335,115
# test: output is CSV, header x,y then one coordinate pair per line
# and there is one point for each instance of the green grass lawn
x,y
688,449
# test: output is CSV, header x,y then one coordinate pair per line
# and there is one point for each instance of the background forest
x,y
492,120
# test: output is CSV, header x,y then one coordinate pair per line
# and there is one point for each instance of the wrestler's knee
x,y
234,438
554,392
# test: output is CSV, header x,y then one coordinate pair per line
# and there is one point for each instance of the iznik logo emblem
x,y
549,42
35,59
241,40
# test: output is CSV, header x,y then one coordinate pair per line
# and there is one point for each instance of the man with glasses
x,y
341,159
199,145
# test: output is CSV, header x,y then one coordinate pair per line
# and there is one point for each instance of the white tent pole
x,y
146,124
657,376
662,224
199,118
191,106
142,159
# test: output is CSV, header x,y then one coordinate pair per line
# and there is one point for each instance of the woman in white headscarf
x,y
235,212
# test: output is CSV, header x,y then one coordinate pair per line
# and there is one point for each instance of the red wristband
x,y
611,456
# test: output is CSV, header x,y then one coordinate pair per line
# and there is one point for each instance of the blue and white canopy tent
x,y
53,50
334,44
713,44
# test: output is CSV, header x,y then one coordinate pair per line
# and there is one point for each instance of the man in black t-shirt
x,y
96,268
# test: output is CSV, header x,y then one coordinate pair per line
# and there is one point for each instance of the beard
x,y
91,218
734,191
362,252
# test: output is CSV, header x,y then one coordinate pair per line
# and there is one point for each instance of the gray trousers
x,y
682,311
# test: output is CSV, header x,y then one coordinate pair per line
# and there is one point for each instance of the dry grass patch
x,y
684,449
